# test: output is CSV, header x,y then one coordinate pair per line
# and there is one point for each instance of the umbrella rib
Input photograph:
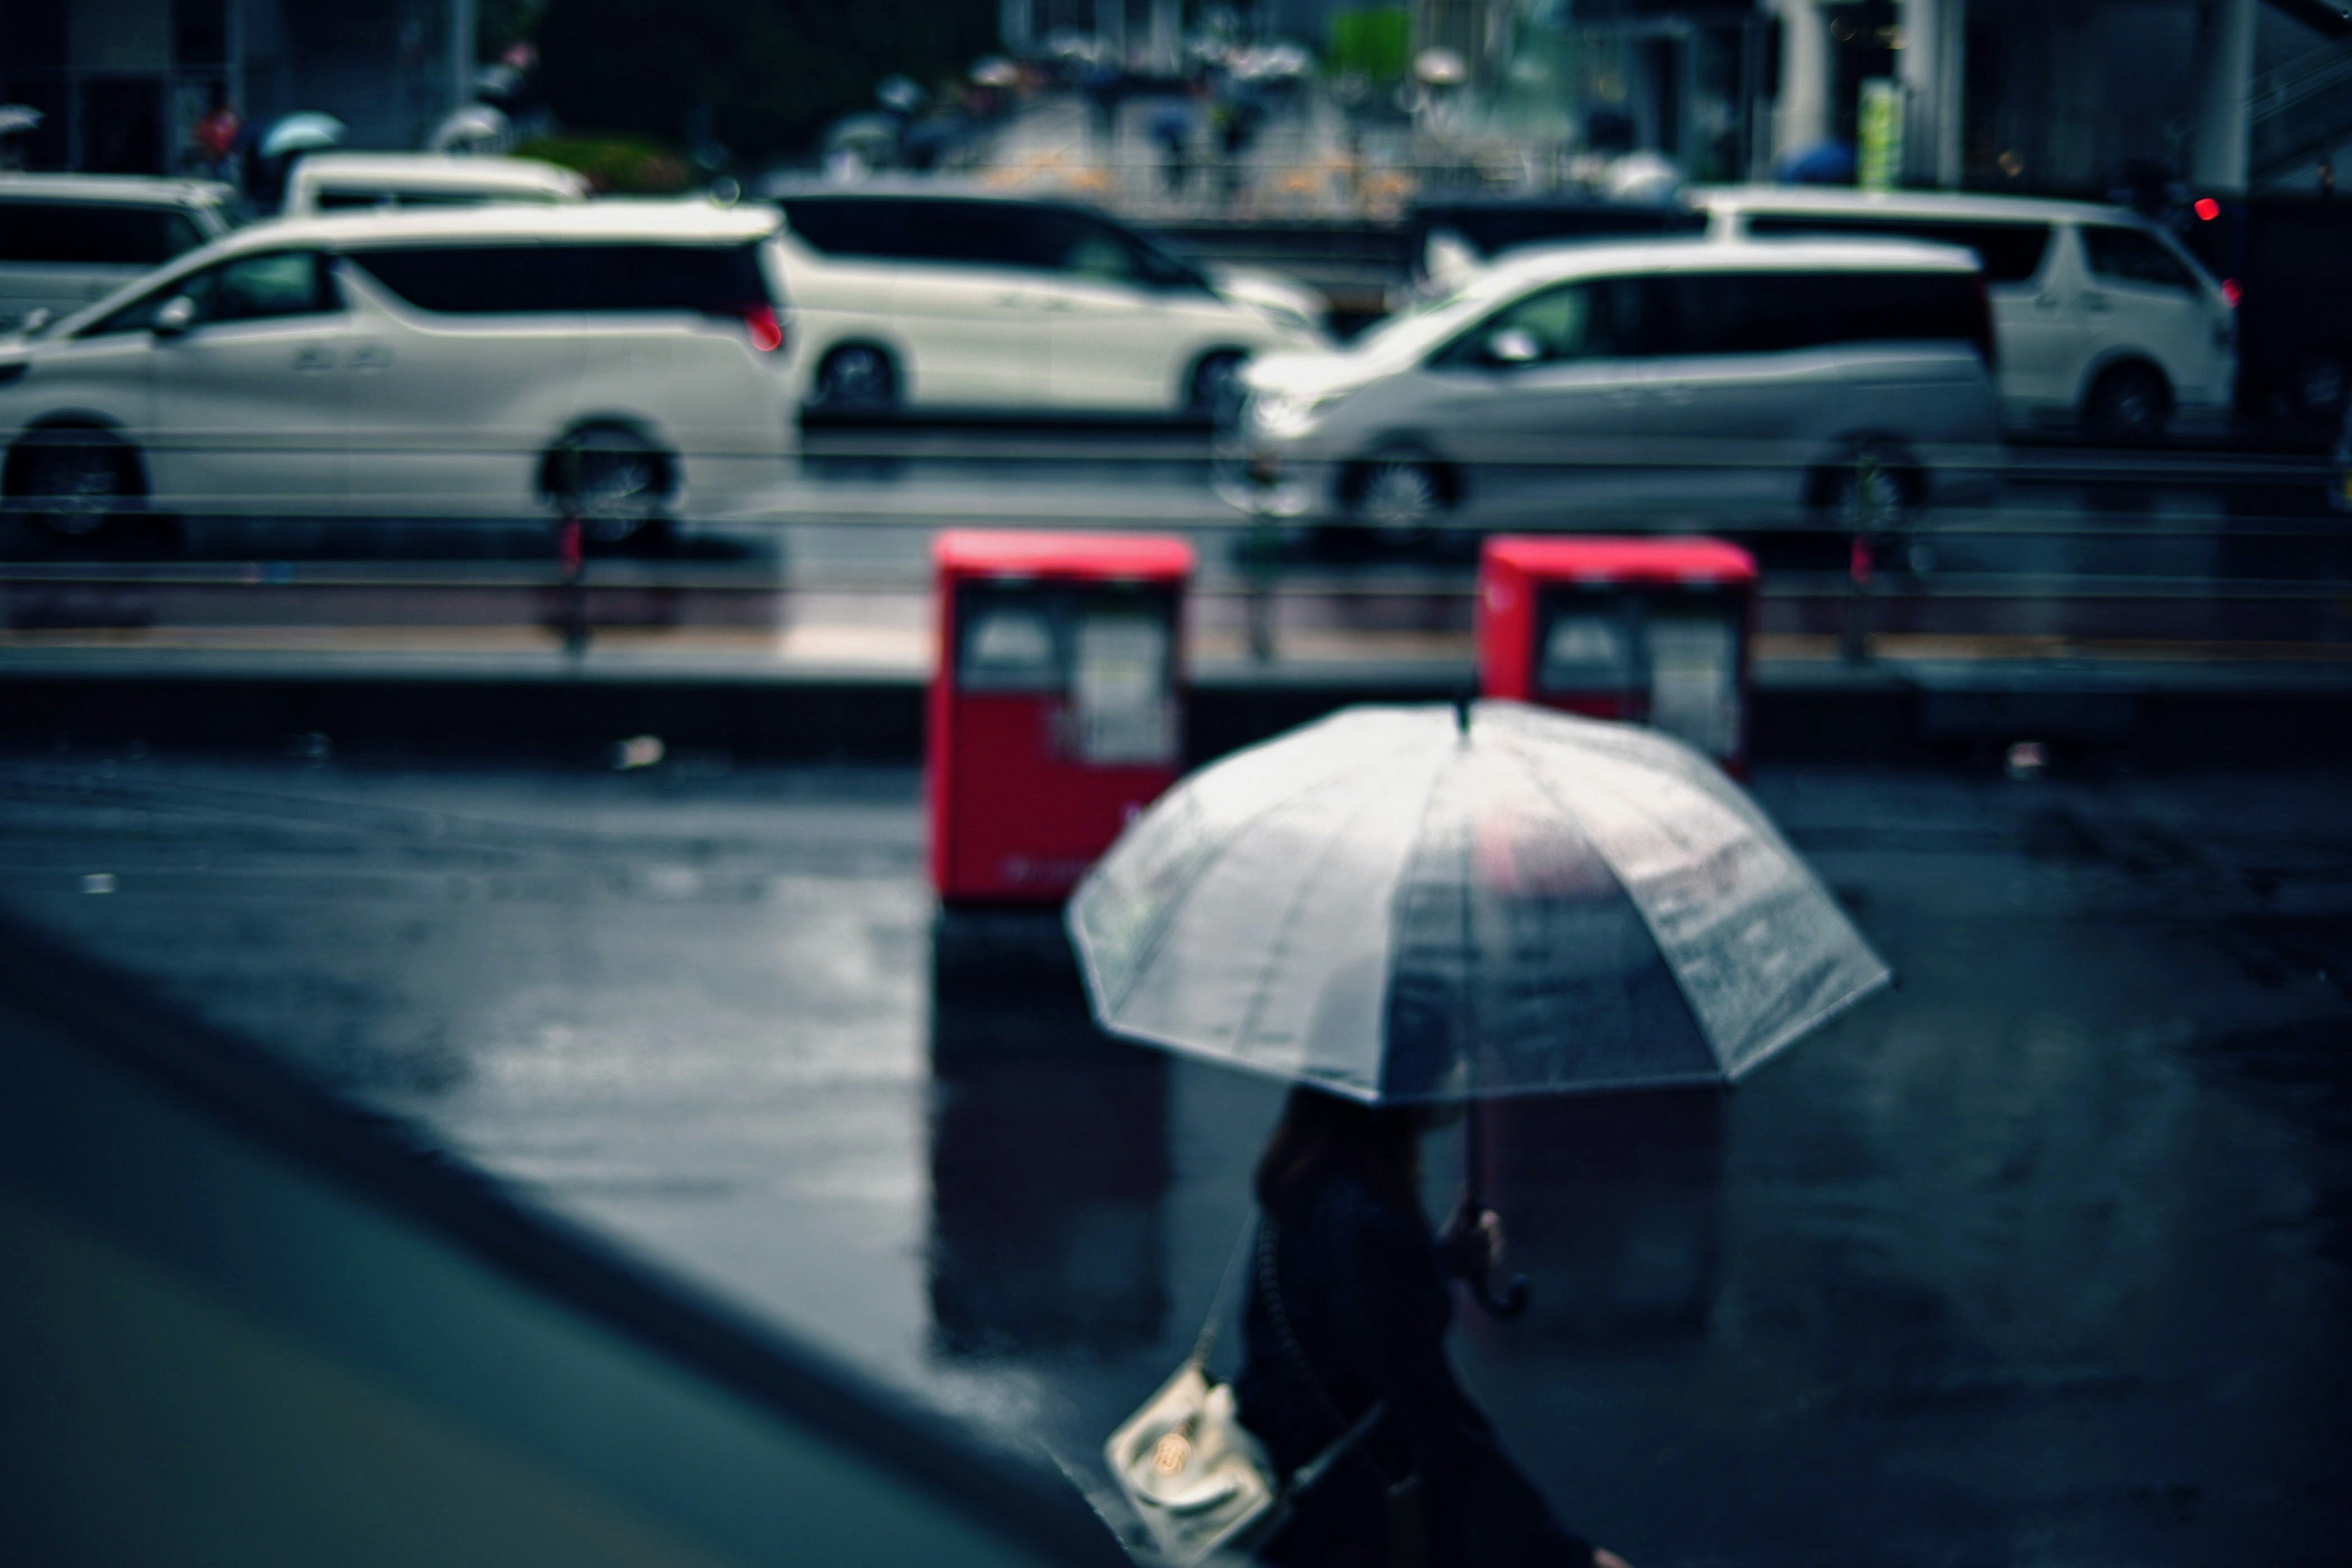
x,y
1281,942
1527,764
1150,947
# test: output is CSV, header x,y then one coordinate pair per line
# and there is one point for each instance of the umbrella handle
x,y
1471,1257
1511,1304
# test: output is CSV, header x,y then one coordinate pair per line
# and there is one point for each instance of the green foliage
x,y
769,74
616,165
1375,43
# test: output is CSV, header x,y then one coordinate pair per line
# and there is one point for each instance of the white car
x,y
67,239
1636,383
623,361
2103,318
919,300
341,182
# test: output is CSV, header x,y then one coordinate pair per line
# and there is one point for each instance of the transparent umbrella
x,y
1422,904
308,132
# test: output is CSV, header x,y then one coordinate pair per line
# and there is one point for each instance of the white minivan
x,y
2102,320
623,361
1639,385
951,301
67,239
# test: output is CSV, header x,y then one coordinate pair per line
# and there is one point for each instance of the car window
x,y
535,280
2009,252
94,234
1602,318
2132,255
850,225
348,197
1775,312
248,289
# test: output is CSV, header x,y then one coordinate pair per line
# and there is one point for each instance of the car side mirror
x,y
1514,345
34,320
176,316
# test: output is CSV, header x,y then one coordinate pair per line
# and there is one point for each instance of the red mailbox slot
x,y
1653,631
1055,710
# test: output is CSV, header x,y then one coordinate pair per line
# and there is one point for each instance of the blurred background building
x,y
122,83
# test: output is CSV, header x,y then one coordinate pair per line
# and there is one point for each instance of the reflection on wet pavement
x,y
2043,1257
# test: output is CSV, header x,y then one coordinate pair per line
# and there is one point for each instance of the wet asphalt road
x,y
2045,1258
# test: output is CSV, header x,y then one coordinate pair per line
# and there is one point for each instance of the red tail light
x,y
767,331
2208,209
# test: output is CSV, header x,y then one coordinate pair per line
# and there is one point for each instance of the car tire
x,y
1213,390
855,378
2128,404
1400,497
73,482
614,480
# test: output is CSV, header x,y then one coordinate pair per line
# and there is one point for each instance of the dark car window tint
x,y
2009,252
94,234
534,279
851,225
2129,255
1774,312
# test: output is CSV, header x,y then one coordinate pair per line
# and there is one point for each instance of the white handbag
x,y
1192,1471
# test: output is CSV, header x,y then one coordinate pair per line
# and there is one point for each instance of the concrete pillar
x,y
1167,34
1931,66
2225,56
1110,27
461,54
1800,118
1015,26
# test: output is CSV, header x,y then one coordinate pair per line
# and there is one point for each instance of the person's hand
x,y
1472,1241
1604,1558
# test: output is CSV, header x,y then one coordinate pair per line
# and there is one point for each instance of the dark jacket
x,y
1366,1298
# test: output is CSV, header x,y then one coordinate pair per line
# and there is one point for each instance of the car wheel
x,y
855,378
1214,391
611,480
72,482
1400,497
2129,403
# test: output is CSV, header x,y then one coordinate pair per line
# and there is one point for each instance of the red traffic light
x,y
2208,208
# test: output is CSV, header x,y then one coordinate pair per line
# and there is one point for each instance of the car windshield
x,y
1426,323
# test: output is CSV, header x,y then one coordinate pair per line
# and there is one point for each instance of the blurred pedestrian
x,y
1171,128
214,138
1348,1307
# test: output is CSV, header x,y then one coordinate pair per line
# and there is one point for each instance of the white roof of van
x,y
16,185
1695,253
683,222
1828,200
438,171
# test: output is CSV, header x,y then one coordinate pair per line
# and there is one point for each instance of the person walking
x,y
1348,1307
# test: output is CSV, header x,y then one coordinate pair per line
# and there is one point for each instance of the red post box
x,y
1652,631
1056,712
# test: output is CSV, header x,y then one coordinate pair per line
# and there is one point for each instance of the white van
x,y
1637,384
343,182
624,361
920,299
67,239
2102,320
